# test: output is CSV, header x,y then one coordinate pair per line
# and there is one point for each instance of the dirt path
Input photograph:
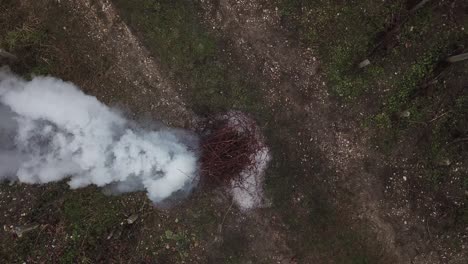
x,y
100,54
291,82
132,62
290,73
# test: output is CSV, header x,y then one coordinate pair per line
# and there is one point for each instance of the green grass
x,y
412,63
172,31
22,38
89,216
77,223
346,33
343,33
446,137
28,43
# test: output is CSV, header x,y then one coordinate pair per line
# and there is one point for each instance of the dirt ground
x,y
352,178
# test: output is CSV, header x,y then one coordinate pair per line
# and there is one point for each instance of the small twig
x,y
419,5
225,215
84,238
458,141
428,229
142,207
7,55
38,235
418,122
439,116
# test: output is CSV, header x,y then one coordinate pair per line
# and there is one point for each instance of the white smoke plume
x,y
51,131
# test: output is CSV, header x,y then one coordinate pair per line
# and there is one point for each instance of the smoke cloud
x,y
51,131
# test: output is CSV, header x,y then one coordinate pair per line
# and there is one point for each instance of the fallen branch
x,y
458,58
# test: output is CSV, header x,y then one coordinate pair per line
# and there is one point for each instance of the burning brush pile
x,y
234,156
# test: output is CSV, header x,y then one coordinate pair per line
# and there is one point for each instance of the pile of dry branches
x,y
227,149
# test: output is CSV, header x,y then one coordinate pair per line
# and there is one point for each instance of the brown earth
x,y
362,184
331,150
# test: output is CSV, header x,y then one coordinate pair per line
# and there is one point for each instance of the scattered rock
x,y
405,114
364,63
110,235
132,219
444,162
